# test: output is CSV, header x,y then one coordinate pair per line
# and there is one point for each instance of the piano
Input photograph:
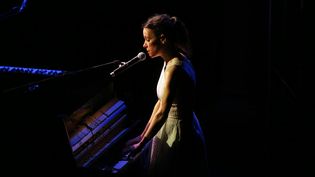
x,y
97,135
66,126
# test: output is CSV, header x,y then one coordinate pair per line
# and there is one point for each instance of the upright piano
x,y
65,126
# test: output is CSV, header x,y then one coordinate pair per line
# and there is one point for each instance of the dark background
x,y
248,55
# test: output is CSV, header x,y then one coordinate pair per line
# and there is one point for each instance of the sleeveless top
x,y
186,66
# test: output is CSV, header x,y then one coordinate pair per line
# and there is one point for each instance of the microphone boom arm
x,y
125,65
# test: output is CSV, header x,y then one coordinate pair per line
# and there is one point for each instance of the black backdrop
x,y
248,57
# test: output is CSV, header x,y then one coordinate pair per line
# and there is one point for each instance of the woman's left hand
x,y
136,148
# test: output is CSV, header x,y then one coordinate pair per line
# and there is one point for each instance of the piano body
x,y
97,135
66,126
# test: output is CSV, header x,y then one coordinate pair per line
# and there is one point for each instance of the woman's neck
x,y
167,56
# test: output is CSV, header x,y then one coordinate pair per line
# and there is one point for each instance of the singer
x,y
172,142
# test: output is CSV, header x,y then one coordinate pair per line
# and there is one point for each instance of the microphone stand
x,y
91,68
124,66
32,86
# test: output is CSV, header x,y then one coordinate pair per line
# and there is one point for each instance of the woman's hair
x,y
172,28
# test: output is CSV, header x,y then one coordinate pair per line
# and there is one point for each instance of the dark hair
x,y
173,29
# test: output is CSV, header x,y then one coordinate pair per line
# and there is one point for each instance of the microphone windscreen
x,y
141,56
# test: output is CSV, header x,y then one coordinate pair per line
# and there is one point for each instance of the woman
x,y
176,143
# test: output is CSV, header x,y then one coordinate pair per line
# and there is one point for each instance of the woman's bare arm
x,y
160,115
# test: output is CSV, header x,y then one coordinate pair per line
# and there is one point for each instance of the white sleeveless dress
x,y
179,146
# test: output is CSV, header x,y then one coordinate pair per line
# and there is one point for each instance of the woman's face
x,y
151,43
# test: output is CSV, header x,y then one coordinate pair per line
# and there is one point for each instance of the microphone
x,y
125,65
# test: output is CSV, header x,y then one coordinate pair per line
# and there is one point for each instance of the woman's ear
x,y
162,38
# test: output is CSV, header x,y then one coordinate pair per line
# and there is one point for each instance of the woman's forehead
x,y
148,32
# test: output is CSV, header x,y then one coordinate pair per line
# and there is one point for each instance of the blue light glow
x,y
33,71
